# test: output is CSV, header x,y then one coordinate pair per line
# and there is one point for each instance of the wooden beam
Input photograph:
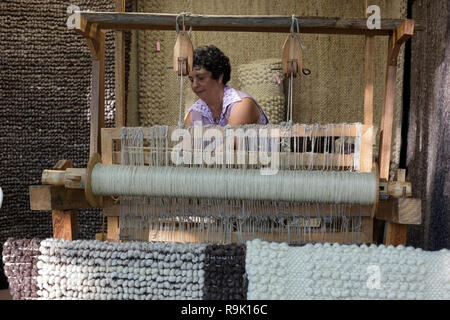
x,y
194,237
297,130
400,210
65,224
112,229
369,75
396,234
62,165
367,142
280,24
400,35
97,97
119,68
71,178
387,117
405,209
48,197
112,209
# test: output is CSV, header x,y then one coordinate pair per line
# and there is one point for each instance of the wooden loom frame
x,y
66,196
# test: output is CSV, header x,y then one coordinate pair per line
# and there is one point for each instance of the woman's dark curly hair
x,y
213,59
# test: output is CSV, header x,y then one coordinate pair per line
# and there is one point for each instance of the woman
x,y
218,103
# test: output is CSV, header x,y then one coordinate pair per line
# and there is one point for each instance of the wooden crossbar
x,y
239,23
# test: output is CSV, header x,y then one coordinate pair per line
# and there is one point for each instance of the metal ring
x,y
306,71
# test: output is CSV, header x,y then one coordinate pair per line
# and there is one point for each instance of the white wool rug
x,y
277,271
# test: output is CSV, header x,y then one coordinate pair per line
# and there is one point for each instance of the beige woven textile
x,y
333,92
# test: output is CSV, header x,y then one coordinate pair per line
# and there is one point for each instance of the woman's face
x,y
203,84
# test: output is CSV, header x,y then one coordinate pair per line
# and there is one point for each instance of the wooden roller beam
x,y
280,24
71,178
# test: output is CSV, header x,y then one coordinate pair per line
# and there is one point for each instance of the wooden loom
x,y
66,189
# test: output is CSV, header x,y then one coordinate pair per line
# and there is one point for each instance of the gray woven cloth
x,y
94,270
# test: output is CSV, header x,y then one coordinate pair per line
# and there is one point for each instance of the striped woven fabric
x,y
93,270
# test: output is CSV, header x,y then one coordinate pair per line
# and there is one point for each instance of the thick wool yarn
x,y
333,271
20,264
94,270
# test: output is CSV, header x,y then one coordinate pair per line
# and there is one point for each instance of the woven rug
x,y
224,267
93,270
44,107
88,269
20,258
332,271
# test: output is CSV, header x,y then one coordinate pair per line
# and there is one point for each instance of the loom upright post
x,y
369,75
95,38
396,39
119,84
98,95
64,222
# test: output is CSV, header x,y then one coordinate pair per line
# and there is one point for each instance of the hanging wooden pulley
x,y
183,54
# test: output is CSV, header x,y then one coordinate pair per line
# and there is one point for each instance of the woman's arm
x,y
188,120
244,112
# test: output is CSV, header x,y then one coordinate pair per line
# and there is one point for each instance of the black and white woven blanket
x,y
95,270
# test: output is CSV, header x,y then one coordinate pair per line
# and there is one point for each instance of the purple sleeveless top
x,y
201,112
